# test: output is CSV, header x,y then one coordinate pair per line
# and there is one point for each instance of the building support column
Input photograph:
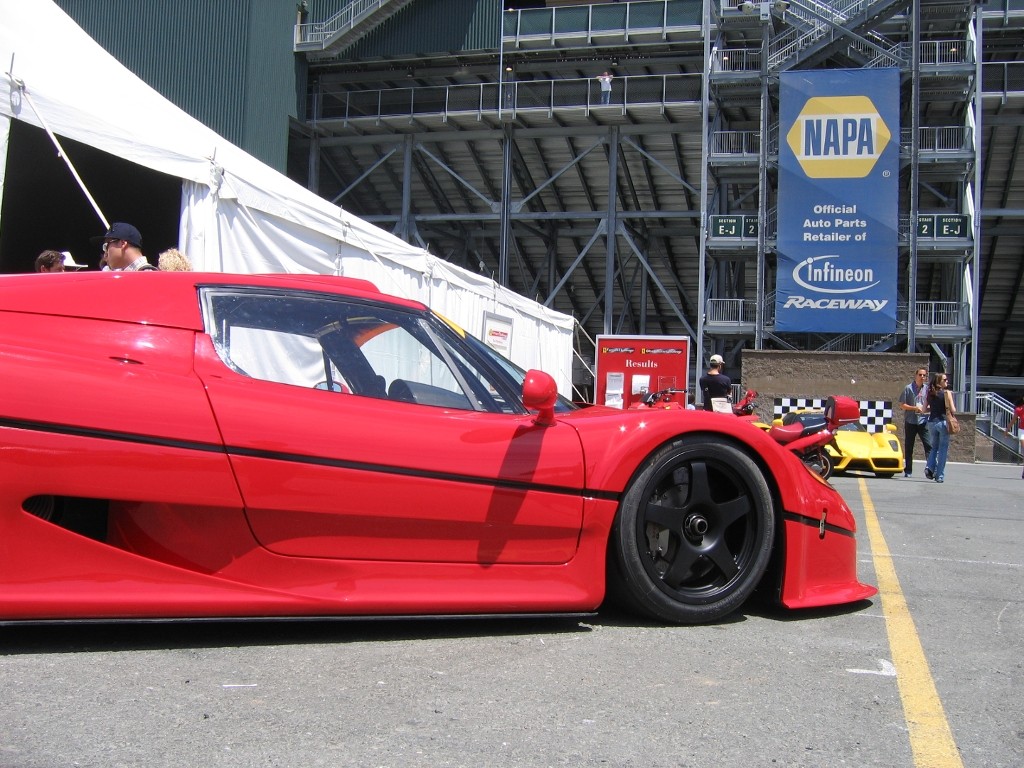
x,y
611,225
505,213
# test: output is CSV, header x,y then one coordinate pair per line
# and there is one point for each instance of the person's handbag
x,y
951,423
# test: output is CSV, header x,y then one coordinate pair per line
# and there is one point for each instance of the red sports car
x,y
181,445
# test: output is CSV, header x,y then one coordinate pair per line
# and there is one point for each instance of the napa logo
x,y
838,137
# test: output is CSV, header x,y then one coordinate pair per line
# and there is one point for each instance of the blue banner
x,y
838,211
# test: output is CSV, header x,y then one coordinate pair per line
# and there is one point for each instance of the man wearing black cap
x,y
122,249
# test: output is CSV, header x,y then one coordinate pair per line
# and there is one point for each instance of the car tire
x,y
694,533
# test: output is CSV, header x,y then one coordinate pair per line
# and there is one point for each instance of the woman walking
x,y
940,403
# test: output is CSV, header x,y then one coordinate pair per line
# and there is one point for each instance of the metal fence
x,y
516,96
994,414
949,138
587,22
735,143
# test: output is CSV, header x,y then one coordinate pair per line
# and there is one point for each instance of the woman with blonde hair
x,y
173,260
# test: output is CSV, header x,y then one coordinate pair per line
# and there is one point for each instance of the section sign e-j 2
x,y
838,210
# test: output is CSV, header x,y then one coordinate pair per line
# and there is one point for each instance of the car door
x,y
329,466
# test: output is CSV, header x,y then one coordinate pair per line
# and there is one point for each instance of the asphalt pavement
x,y
927,674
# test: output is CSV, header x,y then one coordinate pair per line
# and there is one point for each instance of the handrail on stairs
x,y
320,33
994,415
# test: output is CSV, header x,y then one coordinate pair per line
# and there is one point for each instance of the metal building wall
x,y
227,63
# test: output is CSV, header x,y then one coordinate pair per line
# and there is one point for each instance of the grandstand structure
x,y
656,212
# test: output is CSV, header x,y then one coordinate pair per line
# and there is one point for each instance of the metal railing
x,y
317,35
736,143
994,415
942,314
818,21
949,138
731,311
589,23
737,60
533,95
939,52
927,314
1002,78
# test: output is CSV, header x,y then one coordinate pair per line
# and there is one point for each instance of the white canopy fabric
x,y
238,214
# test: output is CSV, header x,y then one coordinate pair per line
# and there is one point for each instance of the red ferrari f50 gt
x,y
182,445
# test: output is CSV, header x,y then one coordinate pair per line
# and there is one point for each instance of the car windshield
x,y
562,405
358,347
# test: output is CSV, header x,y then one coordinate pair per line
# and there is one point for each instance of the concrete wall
x,y
860,375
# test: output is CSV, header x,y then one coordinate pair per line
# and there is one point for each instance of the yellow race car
x,y
856,449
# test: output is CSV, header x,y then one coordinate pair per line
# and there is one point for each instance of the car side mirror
x,y
891,428
539,394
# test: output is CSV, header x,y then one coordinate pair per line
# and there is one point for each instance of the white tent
x,y
237,214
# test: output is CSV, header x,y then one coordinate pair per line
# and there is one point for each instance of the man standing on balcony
x,y
912,402
605,79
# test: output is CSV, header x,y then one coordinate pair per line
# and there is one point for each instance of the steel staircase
x,y
346,26
819,30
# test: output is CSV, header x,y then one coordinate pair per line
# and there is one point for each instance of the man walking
x,y
915,416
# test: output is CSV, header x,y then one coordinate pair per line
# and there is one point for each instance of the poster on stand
x,y
498,333
628,368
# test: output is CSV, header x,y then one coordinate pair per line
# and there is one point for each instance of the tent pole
x,y
20,85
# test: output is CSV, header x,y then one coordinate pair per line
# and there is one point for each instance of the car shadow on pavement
x,y
71,637
778,613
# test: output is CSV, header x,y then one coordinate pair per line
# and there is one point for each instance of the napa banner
x,y
838,206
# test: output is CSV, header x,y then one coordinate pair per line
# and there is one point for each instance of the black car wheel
x,y
694,533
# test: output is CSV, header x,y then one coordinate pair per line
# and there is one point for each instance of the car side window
x,y
348,346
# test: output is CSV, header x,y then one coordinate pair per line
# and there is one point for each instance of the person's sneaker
x,y
939,479
928,473
908,474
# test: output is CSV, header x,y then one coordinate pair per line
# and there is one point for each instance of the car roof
x,y
158,298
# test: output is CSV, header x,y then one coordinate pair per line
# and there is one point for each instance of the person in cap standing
x,y
122,249
715,384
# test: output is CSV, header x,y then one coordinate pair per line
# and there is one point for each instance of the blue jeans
x,y
939,438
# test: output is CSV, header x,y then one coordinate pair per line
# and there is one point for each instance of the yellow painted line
x,y
931,740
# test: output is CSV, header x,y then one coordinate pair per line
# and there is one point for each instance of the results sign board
x,y
629,367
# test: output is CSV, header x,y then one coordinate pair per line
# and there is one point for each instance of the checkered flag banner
x,y
874,414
